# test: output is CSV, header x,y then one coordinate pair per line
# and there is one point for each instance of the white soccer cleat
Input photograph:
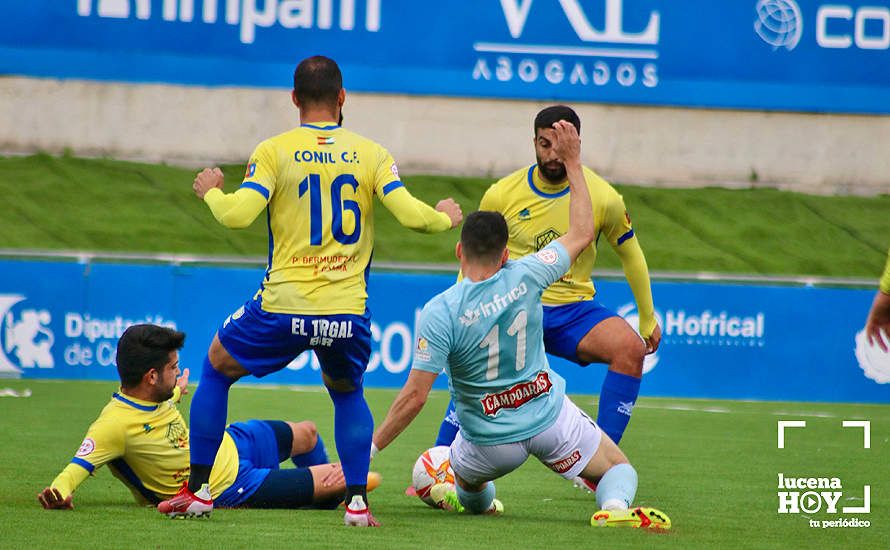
x,y
581,483
358,515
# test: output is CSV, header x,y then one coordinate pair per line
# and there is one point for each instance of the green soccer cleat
x,y
637,518
445,497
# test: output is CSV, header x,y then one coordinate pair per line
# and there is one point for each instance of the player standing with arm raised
x,y
576,326
486,331
317,184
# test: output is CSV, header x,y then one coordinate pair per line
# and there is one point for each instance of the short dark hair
x,y
142,348
547,117
484,236
317,80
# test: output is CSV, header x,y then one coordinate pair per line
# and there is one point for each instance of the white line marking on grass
x,y
813,414
720,410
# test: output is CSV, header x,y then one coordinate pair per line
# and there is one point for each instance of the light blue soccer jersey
x,y
489,338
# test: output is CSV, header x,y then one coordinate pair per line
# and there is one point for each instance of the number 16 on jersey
x,y
311,184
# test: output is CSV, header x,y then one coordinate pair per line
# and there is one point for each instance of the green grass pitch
x,y
711,465
111,205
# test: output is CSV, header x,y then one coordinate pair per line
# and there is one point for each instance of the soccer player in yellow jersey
x,y
879,317
535,202
317,184
144,441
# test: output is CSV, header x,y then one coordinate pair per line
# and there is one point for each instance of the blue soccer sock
x,y
449,428
476,503
617,488
353,428
210,404
617,399
318,455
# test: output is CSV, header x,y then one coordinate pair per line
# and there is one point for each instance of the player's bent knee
x,y
305,436
467,486
342,385
223,362
606,456
630,356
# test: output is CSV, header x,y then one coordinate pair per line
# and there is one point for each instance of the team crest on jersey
x,y
545,238
177,435
86,448
548,256
422,350
251,170
517,395
525,215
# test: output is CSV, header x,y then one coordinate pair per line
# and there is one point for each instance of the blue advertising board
x,y
62,320
800,55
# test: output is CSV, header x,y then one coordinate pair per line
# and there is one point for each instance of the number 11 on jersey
x,y
517,329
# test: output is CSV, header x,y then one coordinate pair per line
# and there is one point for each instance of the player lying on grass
x,y
486,331
144,441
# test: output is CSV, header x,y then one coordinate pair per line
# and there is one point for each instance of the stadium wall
x,y
62,320
813,153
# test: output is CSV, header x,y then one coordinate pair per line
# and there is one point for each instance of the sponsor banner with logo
x,y
806,55
62,320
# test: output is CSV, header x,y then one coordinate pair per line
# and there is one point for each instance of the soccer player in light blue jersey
x,y
486,332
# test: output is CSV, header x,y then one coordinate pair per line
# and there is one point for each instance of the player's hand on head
x,y
183,382
567,145
206,180
450,207
51,499
653,340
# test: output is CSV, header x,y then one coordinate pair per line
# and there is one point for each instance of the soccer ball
x,y
433,466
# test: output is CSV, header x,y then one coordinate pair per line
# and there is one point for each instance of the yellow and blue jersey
x,y
537,213
885,278
146,446
319,181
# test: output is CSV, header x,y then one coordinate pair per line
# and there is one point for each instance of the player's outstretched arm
x,y
879,315
419,216
234,210
581,228
636,271
405,408
879,321
59,495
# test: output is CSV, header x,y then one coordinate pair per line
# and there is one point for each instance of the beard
x,y
163,395
553,171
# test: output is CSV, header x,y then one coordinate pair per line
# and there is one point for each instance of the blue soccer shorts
x,y
264,342
566,325
261,446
